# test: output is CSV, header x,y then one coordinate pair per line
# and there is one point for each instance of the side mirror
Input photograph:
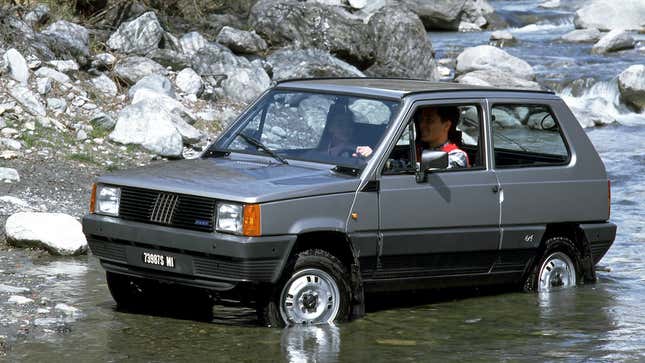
x,y
431,160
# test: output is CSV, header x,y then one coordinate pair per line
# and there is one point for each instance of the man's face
x,y
432,130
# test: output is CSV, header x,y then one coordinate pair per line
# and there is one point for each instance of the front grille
x,y
171,209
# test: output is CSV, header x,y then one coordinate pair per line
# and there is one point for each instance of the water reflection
x,y
316,343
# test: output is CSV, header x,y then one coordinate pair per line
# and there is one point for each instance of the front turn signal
x,y
93,199
251,223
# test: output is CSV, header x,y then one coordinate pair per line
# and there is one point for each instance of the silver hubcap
x,y
557,272
310,296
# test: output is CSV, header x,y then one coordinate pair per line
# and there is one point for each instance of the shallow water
x,y
598,322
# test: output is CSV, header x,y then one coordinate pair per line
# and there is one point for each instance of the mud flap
x,y
357,310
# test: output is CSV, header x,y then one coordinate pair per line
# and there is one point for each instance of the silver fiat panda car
x,y
324,190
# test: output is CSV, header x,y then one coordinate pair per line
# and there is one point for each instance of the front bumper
x,y
212,260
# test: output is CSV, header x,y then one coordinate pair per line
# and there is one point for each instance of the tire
x,y
314,289
558,267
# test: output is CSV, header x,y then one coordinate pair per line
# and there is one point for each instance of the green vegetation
x,y
85,158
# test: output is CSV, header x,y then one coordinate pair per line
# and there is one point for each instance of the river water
x,y
73,317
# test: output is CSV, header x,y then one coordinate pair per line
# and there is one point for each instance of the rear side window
x,y
527,135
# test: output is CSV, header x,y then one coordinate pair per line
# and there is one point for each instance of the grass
x,y
98,133
85,158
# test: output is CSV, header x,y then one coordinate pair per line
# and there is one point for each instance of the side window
x,y
455,129
527,135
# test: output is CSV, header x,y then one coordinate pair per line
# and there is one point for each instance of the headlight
x,y
229,217
107,200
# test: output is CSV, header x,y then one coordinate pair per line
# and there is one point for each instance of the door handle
x,y
496,188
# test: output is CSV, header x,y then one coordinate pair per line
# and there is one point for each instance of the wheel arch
x,y
573,232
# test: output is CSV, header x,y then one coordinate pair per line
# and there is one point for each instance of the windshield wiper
x,y
257,143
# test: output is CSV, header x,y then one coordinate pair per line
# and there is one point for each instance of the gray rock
x,y
240,41
631,83
9,175
44,85
614,41
496,78
103,121
12,144
155,83
57,105
192,42
132,69
188,81
583,36
610,14
486,57
504,118
139,36
502,37
37,15
59,234
311,25
306,63
64,66
169,58
103,60
451,14
81,135
403,48
28,99
105,85
68,39
53,74
17,65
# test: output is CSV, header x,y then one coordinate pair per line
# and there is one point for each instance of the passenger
x,y
341,136
437,130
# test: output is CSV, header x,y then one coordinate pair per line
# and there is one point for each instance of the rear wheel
x,y
557,269
314,290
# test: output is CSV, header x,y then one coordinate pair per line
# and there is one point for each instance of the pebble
x,y
20,300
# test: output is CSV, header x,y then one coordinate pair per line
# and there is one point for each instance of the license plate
x,y
158,260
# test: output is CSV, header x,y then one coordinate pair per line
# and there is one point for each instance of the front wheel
x,y
315,290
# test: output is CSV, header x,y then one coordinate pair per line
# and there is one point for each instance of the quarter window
x,y
527,135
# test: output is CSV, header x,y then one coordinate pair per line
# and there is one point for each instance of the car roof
x,y
388,87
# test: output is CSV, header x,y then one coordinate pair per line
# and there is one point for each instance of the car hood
x,y
248,181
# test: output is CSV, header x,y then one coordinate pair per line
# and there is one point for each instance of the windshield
x,y
335,129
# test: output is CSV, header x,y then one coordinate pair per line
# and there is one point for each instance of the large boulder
x,y
611,14
68,40
402,45
452,14
192,42
59,234
631,83
496,78
240,41
188,81
306,63
28,99
139,36
9,175
486,57
314,25
614,41
17,65
154,82
132,69
582,36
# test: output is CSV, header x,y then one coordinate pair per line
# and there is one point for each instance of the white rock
x,y
10,144
58,105
241,41
44,85
611,14
631,83
132,69
154,82
19,300
613,41
53,74
64,66
502,35
9,175
583,36
81,135
59,234
188,81
103,60
357,4
9,154
38,15
66,309
105,85
9,132
192,42
28,99
549,4
19,203
17,65
12,289
496,78
29,126
71,37
486,57
139,36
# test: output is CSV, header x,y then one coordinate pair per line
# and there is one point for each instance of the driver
x,y
341,132
437,130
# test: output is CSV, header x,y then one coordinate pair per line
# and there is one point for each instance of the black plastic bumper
x,y
600,237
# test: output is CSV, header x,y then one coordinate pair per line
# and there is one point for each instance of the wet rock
x,y
66,309
496,78
155,83
37,15
169,58
631,83
402,45
188,81
139,36
192,42
307,63
53,74
132,69
12,289
240,41
19,300
549,4
105,85
311,25
68,39
103,61
583,36
614,41
44,85
9,175
501,38
610,14
463,15
486,57
17,65
57,233
64,66
31,101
